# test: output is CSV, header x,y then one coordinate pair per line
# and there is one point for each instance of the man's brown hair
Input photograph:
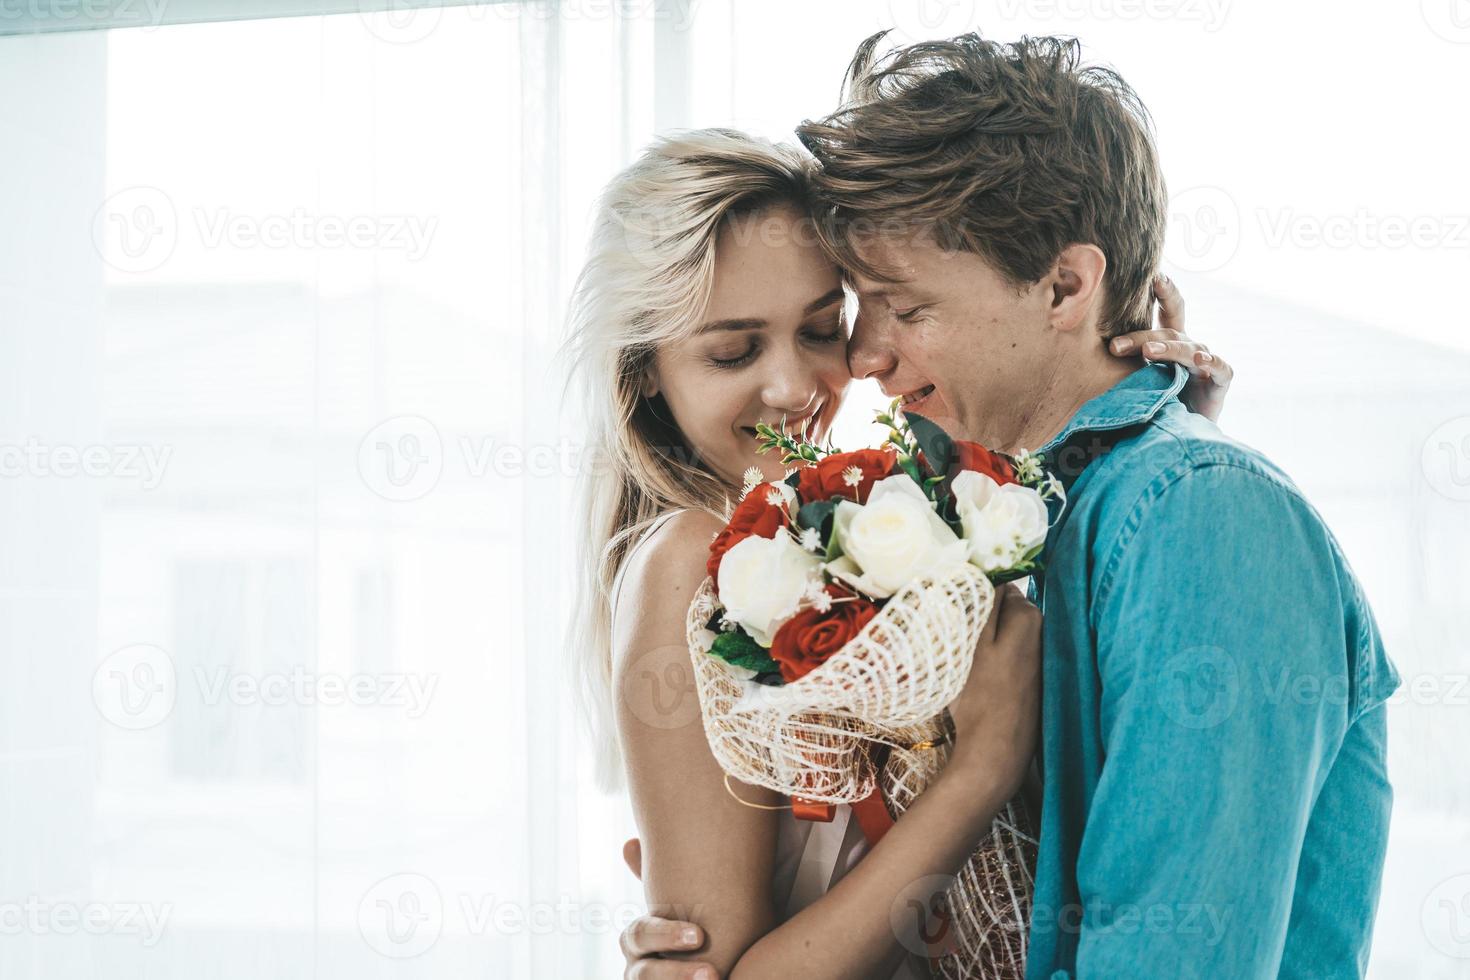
x,y
1010,151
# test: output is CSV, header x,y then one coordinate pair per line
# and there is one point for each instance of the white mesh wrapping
x,y
890,684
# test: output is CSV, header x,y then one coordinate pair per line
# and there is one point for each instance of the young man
x,y
1215,797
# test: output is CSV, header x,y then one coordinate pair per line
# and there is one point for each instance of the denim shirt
x,y
1215,801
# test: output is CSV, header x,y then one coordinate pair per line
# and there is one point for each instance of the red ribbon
x,y
874,819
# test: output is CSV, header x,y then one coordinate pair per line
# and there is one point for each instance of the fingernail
x,y
689,937
1154,347
1122,345
1206,356
704,973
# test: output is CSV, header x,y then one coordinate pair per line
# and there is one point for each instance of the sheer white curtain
x,y
283,566
285,469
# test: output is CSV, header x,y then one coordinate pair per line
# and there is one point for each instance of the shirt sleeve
x,y
1224,663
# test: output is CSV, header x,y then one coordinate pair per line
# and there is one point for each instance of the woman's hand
x,y
648,937
1209,374
996,716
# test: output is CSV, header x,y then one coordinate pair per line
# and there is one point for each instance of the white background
x,y
282,689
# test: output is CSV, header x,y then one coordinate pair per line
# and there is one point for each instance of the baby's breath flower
x,y
811,539
852,476
775,498
753,477
820,600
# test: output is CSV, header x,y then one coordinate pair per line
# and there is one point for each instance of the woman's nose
x,y
792,388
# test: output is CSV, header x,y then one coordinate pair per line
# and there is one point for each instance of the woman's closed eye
x,y
910,314
734,358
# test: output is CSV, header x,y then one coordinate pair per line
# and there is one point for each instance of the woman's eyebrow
x,y
755,323
745,323
823,301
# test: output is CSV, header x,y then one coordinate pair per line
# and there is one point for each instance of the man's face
x,y
960,344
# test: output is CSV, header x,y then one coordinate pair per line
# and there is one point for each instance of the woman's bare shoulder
x,y
670,564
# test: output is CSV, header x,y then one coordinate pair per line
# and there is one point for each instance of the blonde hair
x,y
646,283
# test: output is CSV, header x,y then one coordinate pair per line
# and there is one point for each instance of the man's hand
x,y
648,937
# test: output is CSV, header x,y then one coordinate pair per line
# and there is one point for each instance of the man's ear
x,y
1077,287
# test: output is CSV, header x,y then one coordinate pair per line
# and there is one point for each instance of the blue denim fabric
x,y
1215,796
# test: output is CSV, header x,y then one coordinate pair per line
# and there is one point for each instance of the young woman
x,y
706,306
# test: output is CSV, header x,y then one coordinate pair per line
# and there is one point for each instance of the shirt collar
x,y
1135,399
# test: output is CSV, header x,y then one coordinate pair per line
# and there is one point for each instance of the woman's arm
x,y
708,859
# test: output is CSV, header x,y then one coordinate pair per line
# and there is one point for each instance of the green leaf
x,y
739,649
936,444
816,514
792,480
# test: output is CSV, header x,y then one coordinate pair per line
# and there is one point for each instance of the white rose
x,y
1003,524
892,539
762,581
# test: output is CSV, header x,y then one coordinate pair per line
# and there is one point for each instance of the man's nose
x,y
869,351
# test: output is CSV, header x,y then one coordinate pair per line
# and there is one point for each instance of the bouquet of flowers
x,y
841,613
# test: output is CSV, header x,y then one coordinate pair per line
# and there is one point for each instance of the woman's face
x,y
773,343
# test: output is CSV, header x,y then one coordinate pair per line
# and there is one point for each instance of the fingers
x,y
1019,613
649,935
633,856
669,970
653,969
1171,303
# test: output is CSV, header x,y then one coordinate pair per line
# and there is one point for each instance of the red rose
x,y
973,456
807,639
756,516
828,478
